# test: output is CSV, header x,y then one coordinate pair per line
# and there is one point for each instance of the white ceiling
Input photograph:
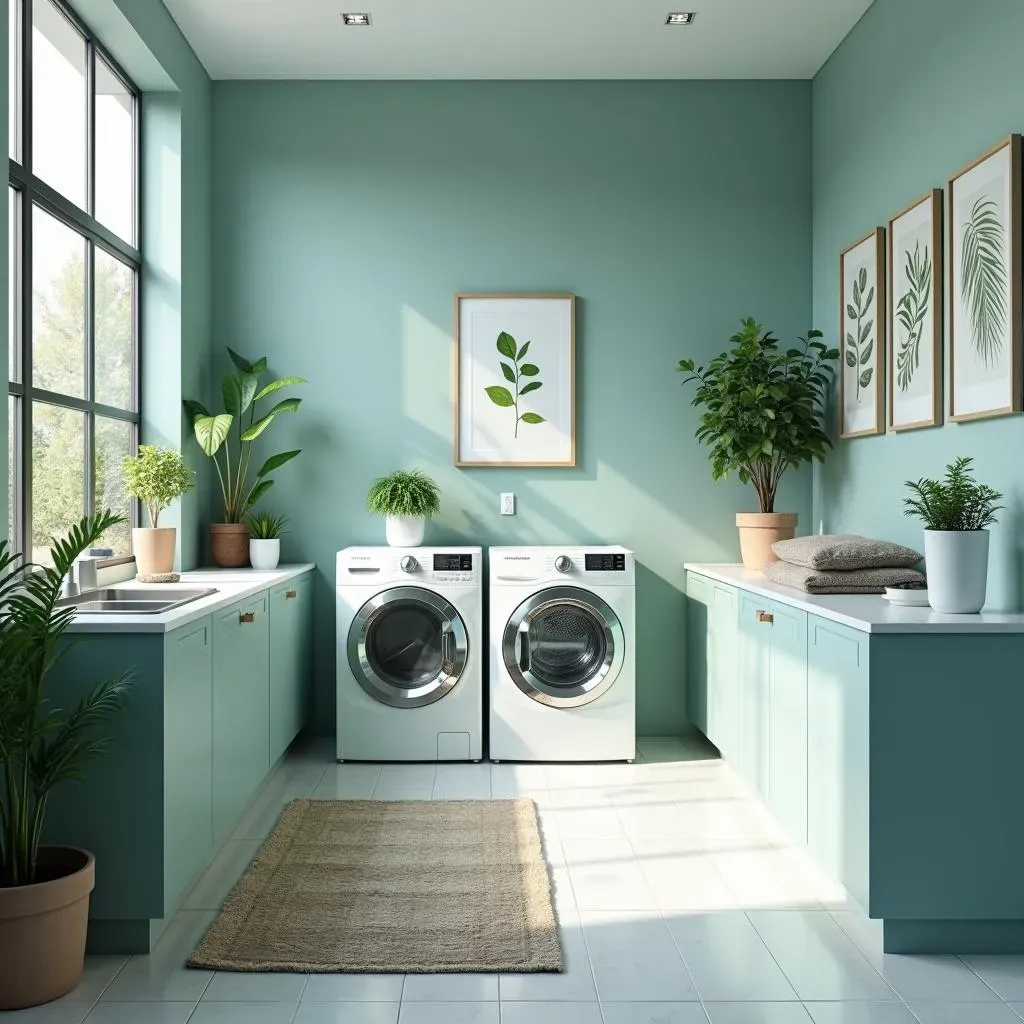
x,y
515,38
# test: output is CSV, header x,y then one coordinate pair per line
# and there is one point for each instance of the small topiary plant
x,y
156,476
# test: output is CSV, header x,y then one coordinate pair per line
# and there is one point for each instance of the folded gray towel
x,y
845,551
837,581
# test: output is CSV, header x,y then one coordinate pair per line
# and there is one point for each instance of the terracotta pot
x,y
230,543
43,927
759,531
154,550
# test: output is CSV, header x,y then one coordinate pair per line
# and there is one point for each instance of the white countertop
x,y
869,613
231,584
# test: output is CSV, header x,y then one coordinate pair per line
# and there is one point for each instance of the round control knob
x,y
408,564
563,563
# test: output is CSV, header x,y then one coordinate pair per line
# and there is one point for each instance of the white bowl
x,y
907,598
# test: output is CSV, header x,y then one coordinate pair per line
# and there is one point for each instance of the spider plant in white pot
x,y
265,540
406,499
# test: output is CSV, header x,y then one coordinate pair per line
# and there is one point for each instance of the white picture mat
x,y
487,431
860,412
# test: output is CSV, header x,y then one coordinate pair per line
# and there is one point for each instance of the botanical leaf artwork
x,y
514,371
983,278
860,344
911,311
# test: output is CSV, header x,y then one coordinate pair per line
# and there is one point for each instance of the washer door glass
x,y
563,647
407,647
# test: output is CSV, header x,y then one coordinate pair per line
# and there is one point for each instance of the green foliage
x,y
227,437
514,371
404,493
860,344
911,310
983,278
763,407
156,476
266,526
41,745
956,502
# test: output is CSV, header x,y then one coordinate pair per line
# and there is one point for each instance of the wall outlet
x,y
508,504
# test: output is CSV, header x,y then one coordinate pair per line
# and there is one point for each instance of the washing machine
x,y
410,642
562,683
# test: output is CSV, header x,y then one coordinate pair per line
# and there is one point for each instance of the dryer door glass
x,y
407,647
563,647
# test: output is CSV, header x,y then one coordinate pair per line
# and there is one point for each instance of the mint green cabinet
x,y
290,652
723,675
241,708
698,634
752,761
838,681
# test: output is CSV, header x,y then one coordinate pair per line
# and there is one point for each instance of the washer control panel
x,y
453,567
614,561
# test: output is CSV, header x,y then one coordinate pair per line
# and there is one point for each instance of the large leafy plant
x,y
156,476
763,408
235,430
955,503
42,745
404,493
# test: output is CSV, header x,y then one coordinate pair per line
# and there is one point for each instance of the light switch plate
x,y
508,504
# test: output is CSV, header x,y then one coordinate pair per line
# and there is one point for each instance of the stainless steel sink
x,y
134,600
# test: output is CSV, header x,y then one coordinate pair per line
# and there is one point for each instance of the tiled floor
x,y
678,899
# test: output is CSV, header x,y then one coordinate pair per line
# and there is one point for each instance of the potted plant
x,y
265,541
156,476
227,438
763,412
406,499
44,891
956,511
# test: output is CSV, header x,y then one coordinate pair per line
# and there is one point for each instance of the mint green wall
x,y
917,90
347,215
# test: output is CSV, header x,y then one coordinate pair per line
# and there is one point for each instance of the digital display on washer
x,y
615,562
453,563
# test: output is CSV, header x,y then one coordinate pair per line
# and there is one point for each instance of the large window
x,y
73,400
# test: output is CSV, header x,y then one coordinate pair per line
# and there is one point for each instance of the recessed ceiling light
x,y
356,19
681,18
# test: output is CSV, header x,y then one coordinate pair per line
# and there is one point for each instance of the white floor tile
x,y
757,1013
654,1013
347,782
232,986
60,1012
450,988
241,1013
820,962
330,988
449,1013
575,983
462,782
761,878
134,1013
284,787
1005,974
511,780
651,821
99,972
682,876
634,958
963,1013
347,1013
933,979
862,1013
550,1013
727,959
405,782
220,877
606,875
589,823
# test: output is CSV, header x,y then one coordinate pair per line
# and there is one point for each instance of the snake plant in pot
x,y
228,437
406,499
44,890
763,413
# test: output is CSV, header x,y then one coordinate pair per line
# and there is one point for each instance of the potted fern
x,y
956,512
406,499
763,413
156,476
265,540
44,890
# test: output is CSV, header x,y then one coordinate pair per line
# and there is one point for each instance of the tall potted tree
x,y
156,476
227,438
763,412
44,891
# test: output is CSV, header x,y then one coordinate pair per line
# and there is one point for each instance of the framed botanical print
x,y
514,380
914,353
985,315
862,351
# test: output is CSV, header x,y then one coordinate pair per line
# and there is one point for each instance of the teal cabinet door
x,y
188,756
698,640
754,651
289,657
723,672
787,719
241,708
837,752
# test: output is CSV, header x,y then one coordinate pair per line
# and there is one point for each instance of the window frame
x,y
30,192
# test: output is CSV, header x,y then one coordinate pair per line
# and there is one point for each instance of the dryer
x,y
562,654
409,654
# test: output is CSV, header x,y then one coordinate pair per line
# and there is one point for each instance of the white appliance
x,y
410,642
562,654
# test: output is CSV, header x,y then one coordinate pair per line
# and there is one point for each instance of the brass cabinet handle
x,y
290,594
765,617
246,616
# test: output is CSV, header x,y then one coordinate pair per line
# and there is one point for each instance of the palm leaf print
x,y
911,310
859,343
983,278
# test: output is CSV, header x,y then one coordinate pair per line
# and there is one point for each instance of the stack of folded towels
x,y
842,563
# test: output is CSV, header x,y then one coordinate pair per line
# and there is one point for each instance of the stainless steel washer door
x,y
563,647
407,647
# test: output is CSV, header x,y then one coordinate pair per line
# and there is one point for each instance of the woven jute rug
x,y
405,886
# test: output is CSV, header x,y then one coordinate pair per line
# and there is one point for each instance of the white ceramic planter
x,y
957,566
405,531
264,554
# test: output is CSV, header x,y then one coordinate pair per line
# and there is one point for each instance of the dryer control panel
x,y
453,567
378,567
